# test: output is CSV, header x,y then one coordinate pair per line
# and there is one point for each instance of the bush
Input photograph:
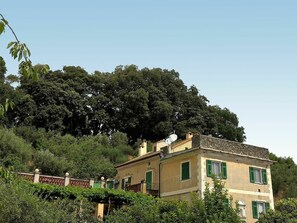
x,y
285,211
18,204
213,208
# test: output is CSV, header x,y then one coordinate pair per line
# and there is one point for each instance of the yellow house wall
x,y
171,183
247,199
138,170
238,179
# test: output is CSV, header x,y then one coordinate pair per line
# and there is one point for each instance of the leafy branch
x,y
4,108
19,51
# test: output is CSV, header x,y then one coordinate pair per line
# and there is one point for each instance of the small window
x,y
259,207
258,175
185,171
216,168
126,182
241,208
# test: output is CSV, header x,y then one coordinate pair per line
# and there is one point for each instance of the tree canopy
x,y
143,103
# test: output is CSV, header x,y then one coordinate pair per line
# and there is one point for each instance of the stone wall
x,y
203,141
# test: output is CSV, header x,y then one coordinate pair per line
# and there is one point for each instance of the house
x,y
175,171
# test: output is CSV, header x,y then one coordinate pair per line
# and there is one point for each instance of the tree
x,y
218,204
2,70
284,177
145,104
285,211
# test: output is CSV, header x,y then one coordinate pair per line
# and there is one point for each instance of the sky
x,y
239,54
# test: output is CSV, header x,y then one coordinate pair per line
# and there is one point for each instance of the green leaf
x,y
20,56
10,44
11,105
2,25
6,104
1,111
34,75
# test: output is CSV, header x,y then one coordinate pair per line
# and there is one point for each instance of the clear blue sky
x,y
240,54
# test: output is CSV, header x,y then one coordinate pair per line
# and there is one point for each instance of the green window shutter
x,y
264,176
224,170
110,184
267,206
149,180
226,202
252,176
123,183
255,209
208,168
129,180
185,171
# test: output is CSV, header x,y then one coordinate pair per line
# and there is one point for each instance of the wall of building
x,y
171,183
137,170
238,179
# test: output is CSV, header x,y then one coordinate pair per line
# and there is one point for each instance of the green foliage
x,y
2,67
212,209
14,152
93,194
146,104
50,164
285,211
284,177
18,204
27,148
218,205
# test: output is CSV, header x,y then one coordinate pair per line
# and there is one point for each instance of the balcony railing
x,y
152,189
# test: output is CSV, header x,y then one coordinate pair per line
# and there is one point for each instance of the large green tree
x,y
147,104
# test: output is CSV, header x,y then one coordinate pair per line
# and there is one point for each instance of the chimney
x,y
142,149
189,135
158,145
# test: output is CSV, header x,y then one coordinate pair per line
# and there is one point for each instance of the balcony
x,y
152,189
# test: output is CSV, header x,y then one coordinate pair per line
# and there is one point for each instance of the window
x,y
258,175
149,180
185,171
216,168
110,184
259,207
241,208
125,182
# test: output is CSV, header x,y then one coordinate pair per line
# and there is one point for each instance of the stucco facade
x,y
186,166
